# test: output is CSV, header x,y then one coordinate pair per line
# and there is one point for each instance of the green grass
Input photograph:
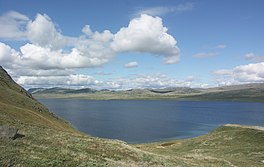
x,y
225,146
48,147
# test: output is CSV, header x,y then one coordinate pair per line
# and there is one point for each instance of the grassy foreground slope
x,y
46,140
229,145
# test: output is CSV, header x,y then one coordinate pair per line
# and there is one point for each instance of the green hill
x,y
58,90
248,92
46,140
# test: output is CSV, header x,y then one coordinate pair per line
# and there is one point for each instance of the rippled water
x,y
139,121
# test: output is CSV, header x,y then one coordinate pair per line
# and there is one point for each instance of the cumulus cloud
x,y
8,56
46,49
13,26
132,64
87,30
47,81
253,57
162,10
243,73
157,80
205,54
148,35
43,32
50,55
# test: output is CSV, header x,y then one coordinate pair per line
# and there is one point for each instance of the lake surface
x,y
140,121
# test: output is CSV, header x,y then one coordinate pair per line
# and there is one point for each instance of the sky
x,y
126,44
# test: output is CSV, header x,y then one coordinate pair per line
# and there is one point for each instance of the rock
x,y
8,132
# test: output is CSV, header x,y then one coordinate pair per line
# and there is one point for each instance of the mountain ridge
x,y
244,92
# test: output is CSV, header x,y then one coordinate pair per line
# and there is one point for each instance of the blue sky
x,y
168,43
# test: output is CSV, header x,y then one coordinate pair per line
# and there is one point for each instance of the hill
x,y
246,92
58,90
176,90
46,140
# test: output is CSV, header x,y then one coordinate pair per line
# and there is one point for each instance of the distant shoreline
x,y
176,98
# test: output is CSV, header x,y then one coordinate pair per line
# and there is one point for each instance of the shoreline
x,y
58,96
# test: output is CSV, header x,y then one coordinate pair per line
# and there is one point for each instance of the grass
x,y
225,146
47,147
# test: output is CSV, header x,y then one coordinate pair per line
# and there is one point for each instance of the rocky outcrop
x,y
8,132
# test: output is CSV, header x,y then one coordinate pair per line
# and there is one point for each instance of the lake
x,y
140,121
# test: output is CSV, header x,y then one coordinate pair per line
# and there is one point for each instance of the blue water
x,y
140,121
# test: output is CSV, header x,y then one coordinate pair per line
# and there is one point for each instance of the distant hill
x,y
257,86
176,90
246,92
58,90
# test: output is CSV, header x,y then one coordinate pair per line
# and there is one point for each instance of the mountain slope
x,y
18,107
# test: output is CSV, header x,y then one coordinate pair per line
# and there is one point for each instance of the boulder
x,y
8,132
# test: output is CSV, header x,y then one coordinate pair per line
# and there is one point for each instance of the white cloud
x,y
157,80
221,46
87,30
205,54
42,32
8,56
148,35
162,10
242,74
49,49
36,57
13,26
132,64
48,81
50,58
253,57
50,72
